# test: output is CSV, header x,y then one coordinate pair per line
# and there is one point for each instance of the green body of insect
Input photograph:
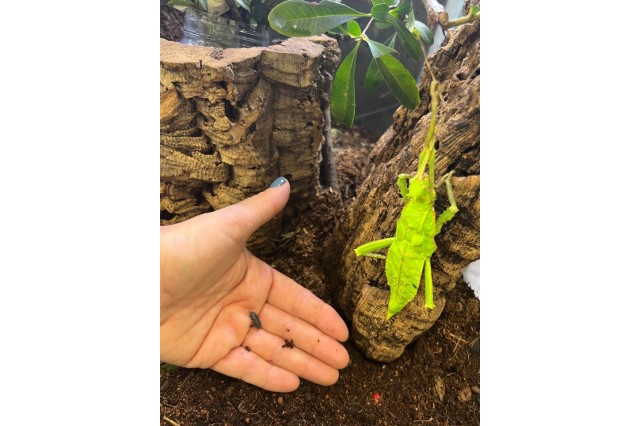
x,y
411,248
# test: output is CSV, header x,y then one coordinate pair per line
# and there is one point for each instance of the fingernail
x,y
278,182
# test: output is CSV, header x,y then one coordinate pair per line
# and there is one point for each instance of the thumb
x,y
245,217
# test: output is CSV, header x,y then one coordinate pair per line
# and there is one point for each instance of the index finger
x,y
291,297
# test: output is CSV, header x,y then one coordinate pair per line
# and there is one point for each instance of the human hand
x,y
209,282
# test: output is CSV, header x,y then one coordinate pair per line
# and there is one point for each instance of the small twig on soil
x,y
458,340
167,419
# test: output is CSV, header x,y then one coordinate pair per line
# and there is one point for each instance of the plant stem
x,y
460,21
366,28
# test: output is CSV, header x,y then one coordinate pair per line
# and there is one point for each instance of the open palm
x,y
210,282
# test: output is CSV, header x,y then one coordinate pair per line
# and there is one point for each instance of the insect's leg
x,y
403,184
428,285
432,167
448,214
367,248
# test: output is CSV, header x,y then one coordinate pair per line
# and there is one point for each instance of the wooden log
x,y
233,120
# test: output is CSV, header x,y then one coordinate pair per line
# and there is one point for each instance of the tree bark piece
x,y
233,120
373,214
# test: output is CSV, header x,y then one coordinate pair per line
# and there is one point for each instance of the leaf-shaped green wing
x,y
297,18
399,80
343,92
403,271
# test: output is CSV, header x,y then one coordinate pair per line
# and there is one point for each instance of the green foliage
x,y
298,18
424,32
194,4
343,92
399,80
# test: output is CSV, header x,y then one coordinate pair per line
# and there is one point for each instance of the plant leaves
x,y
203,5
408,40
243,4
404,8
353,28
382,25
387,2
399,80
378,49
297,18
474,10
380,12
343,91
373,77
186,3
424,32
411,21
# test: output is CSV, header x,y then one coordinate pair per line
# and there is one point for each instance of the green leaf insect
x,y
411,248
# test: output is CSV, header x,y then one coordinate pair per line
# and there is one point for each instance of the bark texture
x,y
373,214
233,120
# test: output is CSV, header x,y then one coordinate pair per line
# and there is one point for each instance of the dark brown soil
x,y
436,381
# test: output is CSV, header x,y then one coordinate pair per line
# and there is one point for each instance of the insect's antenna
x,y
430,140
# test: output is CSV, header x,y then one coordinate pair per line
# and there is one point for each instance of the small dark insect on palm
x,y
255,320
288,343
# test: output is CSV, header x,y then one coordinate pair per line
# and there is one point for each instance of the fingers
x,y
305,336
251,368
276,351
291,297
244,218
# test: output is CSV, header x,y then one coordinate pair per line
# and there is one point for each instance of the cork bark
x,y
233,120
364,293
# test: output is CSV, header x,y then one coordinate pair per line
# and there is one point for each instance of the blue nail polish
x,y
278,182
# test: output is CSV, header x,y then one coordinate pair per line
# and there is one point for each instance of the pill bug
x,y
255,319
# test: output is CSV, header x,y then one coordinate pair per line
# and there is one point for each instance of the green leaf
x,y
474,10
404,8
408,40
411,21
387,2
377,49
297,18
353,28
373,78
244,4
343,92
186,3
399,80
424,32
380,12
350,28
382,25
203,5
